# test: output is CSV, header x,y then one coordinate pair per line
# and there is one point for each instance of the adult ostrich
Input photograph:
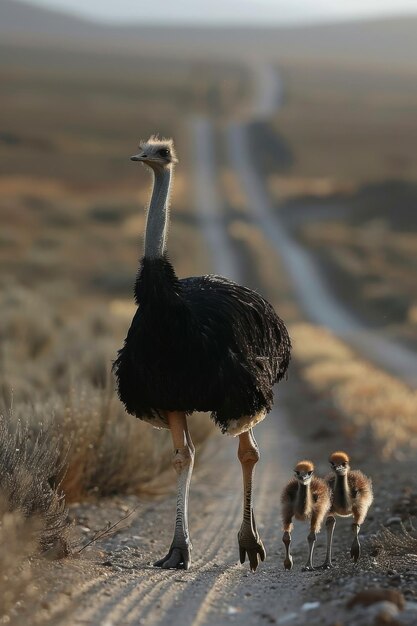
x,y
197,344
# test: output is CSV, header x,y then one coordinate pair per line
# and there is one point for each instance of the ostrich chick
x,y
305,497
351,496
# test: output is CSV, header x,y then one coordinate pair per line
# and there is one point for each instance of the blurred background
x,y
296,129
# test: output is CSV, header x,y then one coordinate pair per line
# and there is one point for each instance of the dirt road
x,y
217,589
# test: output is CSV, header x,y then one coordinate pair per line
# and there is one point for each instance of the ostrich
x,y
351,496
197,344
305,497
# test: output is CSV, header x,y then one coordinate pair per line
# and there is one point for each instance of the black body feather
x,y
199,344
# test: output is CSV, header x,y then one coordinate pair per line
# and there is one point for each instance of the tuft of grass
x,y
395,544
30,465
17,544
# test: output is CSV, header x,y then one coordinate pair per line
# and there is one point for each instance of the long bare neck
x,y
158,214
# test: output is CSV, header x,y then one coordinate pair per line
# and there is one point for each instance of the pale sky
x,y
230,11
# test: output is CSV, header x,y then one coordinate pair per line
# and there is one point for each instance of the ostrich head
x,y
303,472
339,462
156,153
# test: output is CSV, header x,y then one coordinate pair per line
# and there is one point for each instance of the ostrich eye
x,y
310,473
164,152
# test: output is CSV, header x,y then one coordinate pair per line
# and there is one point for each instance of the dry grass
x,y
367,398
28,483
388,543
33,515
17,543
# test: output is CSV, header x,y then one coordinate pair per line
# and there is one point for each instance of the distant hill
x,y
390,41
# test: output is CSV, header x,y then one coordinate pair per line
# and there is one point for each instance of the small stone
x,y
309,606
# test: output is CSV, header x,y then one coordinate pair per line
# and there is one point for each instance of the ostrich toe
x,y
288,563
177,558
251,545
355,550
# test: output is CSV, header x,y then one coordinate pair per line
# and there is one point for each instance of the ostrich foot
x,y
177,558
250,545
307,568
355,551
288,563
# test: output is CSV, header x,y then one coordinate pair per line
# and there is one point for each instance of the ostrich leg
x,y
355,550
248,537
179,554
312,537
330,524
286,538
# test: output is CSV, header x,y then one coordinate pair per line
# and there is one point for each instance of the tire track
x,y
140,606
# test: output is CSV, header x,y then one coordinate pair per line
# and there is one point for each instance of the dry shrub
x,y
17,543
29,465
395,544
109,451
33,517
367,397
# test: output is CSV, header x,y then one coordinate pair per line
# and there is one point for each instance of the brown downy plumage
x,y
306,498
351,496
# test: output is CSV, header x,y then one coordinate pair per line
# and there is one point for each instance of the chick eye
x,y
164,152
310,473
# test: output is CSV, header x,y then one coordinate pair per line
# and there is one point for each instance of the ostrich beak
x,y
138,157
